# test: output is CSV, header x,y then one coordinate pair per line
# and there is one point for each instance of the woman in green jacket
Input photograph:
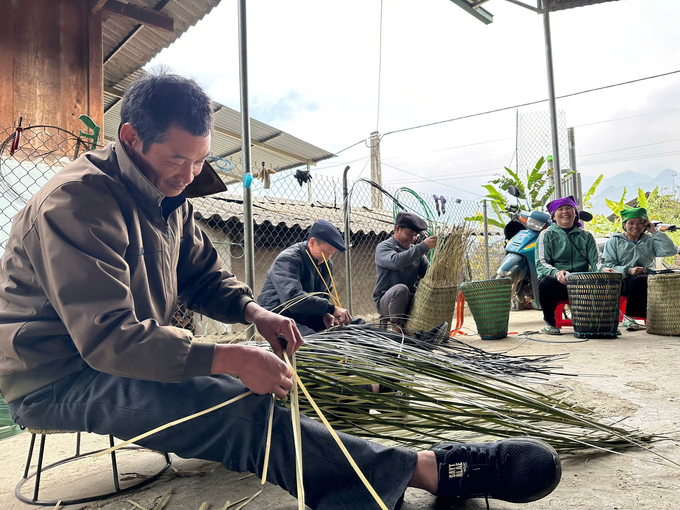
x,y
631,253
564,247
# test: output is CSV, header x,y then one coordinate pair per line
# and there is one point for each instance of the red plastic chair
x,y
560,321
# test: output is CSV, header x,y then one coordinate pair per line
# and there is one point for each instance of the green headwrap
x,y
634,212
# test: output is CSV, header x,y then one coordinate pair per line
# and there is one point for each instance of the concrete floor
x,y
635,376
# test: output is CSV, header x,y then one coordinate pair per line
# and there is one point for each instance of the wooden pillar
x,y
50,63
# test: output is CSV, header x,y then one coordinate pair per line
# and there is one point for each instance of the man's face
x,y
320,249
171,164
405,236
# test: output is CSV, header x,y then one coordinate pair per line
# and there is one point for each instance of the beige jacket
x,y
91,275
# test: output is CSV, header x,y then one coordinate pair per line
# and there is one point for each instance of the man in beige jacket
x,y
89,280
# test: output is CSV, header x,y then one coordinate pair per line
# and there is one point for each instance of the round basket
x,y
489,302
431,305
594,303
663,296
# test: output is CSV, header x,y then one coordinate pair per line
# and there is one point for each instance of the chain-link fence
x,y
283,210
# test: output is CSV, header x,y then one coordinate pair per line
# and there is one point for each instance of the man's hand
x,y
270,325
258,369
637,270
342,316
430,242
329,321
561,277
609,270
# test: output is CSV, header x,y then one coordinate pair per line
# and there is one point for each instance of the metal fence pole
x,y
576,188
486,241
248,227
551,95
348,240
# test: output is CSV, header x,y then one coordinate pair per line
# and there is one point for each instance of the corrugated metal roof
x,y
276,149
559,5
291,213
146,41
294,213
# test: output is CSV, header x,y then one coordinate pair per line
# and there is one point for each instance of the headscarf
x,y
559,202
633,212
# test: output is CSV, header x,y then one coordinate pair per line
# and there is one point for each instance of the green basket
x,y
594,303
7,425
489,302
663,298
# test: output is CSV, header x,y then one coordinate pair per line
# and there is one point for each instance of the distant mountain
x,y
612,187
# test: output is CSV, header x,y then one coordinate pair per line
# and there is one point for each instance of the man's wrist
x,y
252,312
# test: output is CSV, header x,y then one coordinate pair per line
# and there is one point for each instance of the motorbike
x,y
521,234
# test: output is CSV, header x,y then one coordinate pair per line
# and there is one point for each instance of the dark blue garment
x,y
234,435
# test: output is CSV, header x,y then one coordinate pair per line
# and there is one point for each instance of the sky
x,y
331,73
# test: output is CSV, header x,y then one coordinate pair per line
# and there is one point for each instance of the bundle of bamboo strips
x,y
436,396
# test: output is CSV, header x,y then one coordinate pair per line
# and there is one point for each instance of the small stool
x,y
384,323
622,310
40,469
560,321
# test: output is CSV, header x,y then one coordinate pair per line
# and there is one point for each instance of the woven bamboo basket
x,y
663,298
594,303
489,302
433,304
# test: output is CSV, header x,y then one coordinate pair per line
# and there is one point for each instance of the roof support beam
x,y
263,145
530,7
143,15
97,6
480,13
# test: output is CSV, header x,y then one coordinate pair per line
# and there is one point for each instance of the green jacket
x,y
575,252
622,254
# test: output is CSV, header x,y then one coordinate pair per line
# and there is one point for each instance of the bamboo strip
x,y
335,287
295,419
330,294
171,424
249,500
337,439
269,440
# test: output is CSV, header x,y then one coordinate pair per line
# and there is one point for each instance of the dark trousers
x,y
234,435
550,292
635,289
395,303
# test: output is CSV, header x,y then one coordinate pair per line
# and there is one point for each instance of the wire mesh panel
x,y
534,139
285,205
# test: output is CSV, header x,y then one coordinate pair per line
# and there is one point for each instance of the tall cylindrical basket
x,y
594,303
663,298
432,305
489,302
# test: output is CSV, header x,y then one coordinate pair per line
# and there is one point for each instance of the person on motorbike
x,y
631,253
562,248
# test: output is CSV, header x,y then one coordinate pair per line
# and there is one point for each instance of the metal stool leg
x,y
30,454
114,465
77,444
37,473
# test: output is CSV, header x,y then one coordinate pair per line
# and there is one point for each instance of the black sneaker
x,y
517,470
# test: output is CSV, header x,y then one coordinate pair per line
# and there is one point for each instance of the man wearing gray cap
x,y
400,264
298,273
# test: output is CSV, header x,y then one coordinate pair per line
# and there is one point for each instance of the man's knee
x,y
399,291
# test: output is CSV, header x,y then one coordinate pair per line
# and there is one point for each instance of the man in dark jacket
x,y
400,264
299,283
89,281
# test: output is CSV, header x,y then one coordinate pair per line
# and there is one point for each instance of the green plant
x,y
535,192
